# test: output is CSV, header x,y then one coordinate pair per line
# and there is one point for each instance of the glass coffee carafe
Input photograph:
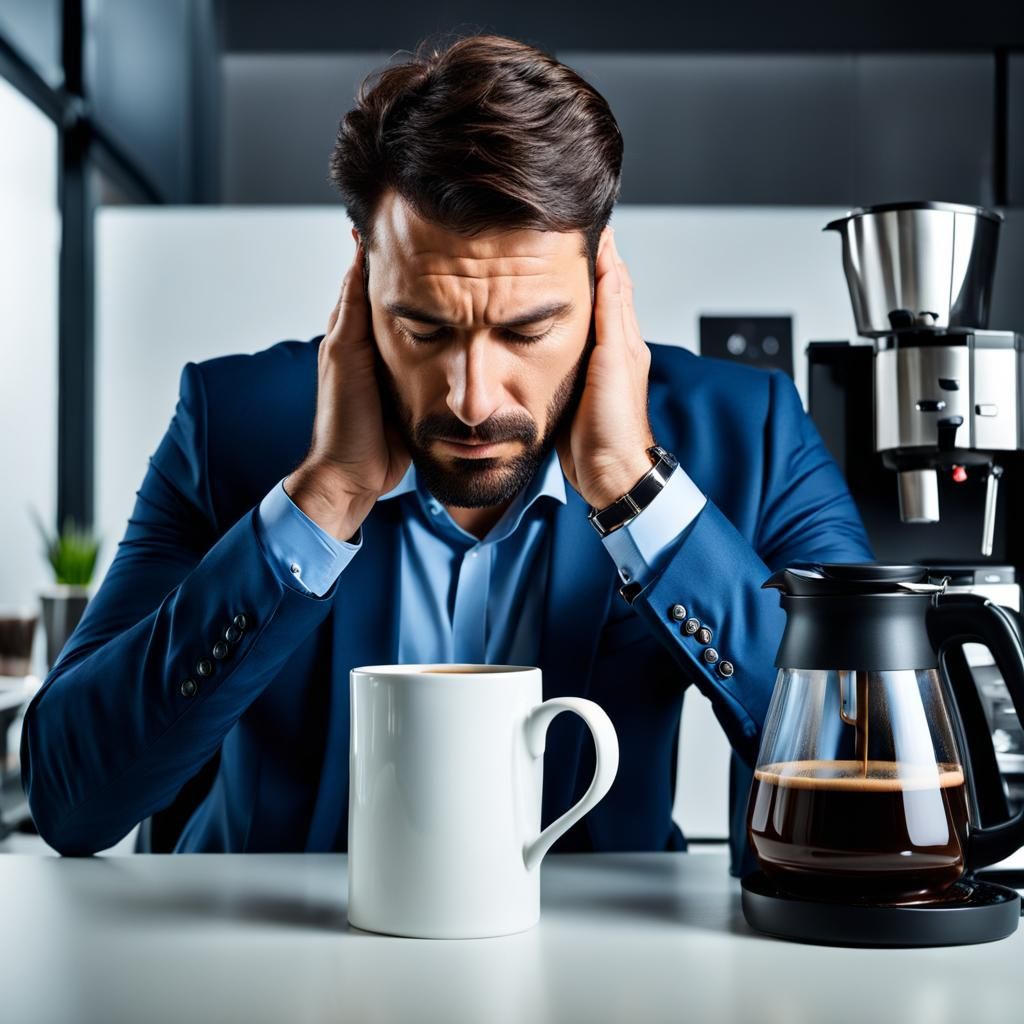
x,y
861,789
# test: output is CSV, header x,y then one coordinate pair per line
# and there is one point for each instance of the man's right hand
x,y
356,453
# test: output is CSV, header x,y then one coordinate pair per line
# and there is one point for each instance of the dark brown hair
x,y
486,132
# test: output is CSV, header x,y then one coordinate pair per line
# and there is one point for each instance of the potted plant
x,y
72,556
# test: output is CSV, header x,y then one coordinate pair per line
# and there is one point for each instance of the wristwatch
x,y
634,501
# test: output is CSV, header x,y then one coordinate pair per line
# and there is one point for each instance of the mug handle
x,y
606,756
957,619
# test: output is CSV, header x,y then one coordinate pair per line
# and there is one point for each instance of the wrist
x,y
333,507
630,504
620,479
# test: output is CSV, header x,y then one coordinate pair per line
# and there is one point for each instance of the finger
x,y
332,319
352,321
630,325
607,298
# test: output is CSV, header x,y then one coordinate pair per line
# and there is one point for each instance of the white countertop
x,y
622,937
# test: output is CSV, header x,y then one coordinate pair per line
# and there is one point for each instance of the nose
x,y
474,389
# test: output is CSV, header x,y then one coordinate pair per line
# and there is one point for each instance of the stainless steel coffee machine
x,y
947,391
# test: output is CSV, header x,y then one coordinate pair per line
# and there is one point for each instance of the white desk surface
x,y
622,937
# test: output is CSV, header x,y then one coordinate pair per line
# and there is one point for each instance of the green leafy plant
x,y
72,553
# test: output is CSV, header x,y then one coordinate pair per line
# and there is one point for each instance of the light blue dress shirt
x,y
476,600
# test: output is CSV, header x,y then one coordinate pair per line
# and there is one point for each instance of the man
x,y
395,491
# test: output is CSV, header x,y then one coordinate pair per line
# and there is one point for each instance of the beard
x,y
485,482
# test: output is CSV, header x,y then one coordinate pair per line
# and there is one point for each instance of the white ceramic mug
x,y
446,770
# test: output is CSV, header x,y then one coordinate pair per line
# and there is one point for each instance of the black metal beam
x,y
75,361
645,26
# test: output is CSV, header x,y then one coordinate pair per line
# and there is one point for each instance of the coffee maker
x,y
946,390
930,399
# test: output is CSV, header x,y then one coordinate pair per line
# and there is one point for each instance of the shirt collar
x,y
548,481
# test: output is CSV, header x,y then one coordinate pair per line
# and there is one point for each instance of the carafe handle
x,y
606,758
957,619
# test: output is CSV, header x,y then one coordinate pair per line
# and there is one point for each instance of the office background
x,y
164,197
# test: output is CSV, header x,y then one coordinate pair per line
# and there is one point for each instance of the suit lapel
x,y
364,632
581,581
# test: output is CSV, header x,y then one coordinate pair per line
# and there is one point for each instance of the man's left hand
x,y
604,453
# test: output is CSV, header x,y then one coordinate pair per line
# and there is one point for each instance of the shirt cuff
x,y
643,546
304,556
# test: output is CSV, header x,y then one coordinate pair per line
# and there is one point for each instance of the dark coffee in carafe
x,y
876,830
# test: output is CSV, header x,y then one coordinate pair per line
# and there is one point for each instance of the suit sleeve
x,y
805,513
140,698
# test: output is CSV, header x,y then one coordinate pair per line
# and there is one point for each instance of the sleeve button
x,y
240,621
188,688
677,612
726,668
204,667
232,634
690,626
704,635
710,655
220,650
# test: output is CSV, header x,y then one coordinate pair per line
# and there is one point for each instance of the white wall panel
x,y
29,253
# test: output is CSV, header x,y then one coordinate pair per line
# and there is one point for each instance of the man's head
x,y
479,180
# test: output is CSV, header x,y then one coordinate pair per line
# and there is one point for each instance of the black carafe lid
x,y
855,616
819,579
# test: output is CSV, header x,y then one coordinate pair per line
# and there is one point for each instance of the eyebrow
x,y
551,309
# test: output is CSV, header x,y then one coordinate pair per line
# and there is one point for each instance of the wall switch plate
x,y
763,341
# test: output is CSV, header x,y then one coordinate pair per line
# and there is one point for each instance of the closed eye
x,y
511,336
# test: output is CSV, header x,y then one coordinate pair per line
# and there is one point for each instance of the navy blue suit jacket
x,y
111,739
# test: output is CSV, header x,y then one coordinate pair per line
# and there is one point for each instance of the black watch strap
x,y
634,501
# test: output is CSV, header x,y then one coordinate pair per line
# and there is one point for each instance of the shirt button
x,y
220,650
204,667
188,688
690,626
677,612
435,510
704,635
710,655
295,568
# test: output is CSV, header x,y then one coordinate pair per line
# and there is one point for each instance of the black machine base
x,y
973,911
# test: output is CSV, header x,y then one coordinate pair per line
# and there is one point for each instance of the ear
x,y
355,236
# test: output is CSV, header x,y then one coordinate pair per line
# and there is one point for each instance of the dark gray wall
x,y
1015,129
842,129
33,27
281,115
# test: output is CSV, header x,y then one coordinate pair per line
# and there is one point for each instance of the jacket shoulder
x,y
673,364
259,410
292,358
